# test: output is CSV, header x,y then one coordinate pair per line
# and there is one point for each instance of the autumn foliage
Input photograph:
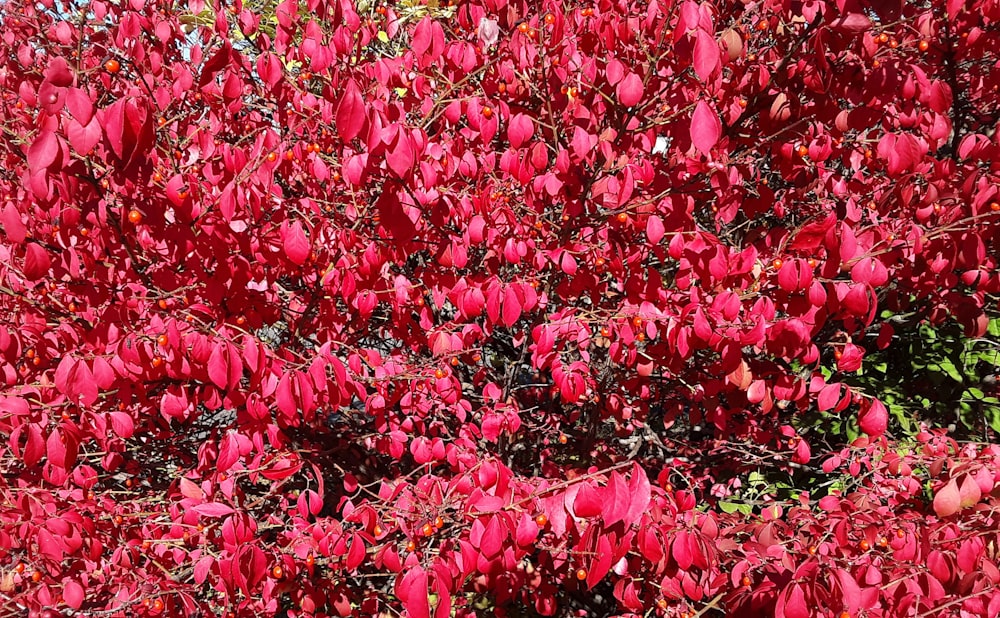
x,y
496,307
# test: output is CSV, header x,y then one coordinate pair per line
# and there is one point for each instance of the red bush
x,y
491,307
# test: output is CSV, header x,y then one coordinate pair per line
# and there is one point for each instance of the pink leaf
x,y
229,452
969,491
43,151
15,230
852,22
948,500
706,128
511,307
630,90
874,419
73,594
412,591
218,370
493,538
589,501
190,489
639,495
351,112
654,229
616,500
122,424
202,568
213,509
36,262
706,54
520,130
297,246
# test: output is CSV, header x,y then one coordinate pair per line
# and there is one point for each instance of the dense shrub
x,y
499,308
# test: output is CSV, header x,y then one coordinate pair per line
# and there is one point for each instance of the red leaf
x,y
73,594
792,603
706,54
852,22
83,138
948,500
229,452
630,90
122,424
202,568
874,419
589,502
43,151
79,105
969,491
36,262
639,495
74,379
190,489
213,509
654,229
706,128
297,246
356,554
493,537
520,130
511,307
15,230
412,591
601,563
850,592
527,531
218,370
616,500
401,158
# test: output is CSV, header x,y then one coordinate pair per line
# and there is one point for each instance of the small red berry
x,y
541,519
923,46
427,530
622,217
112,66
36,576
438,523
523,27
439,374
864,545
550,18
134,216
278,572
581,574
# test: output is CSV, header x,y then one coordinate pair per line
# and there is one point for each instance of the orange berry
x,y
161,341
541,519
563,439
454,361
112,66
762,25
845,614
523,27
30,353
802,150
278,572
162,303
377,530
661,603
438,523
310,560
640,337
272,157
146,545
923,46
605,331
427,530
883,38
411,546
864,545
900,533
488,112
158,605
994,206
19,568
812,550
746,581
241,320
550,19
883,541
777,263
622,217
637,321
742,102
439,373
502,88
581,574
134,216
36,576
